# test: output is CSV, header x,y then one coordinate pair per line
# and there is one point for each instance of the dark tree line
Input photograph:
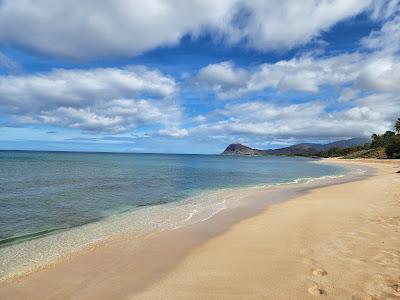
x,y
389,141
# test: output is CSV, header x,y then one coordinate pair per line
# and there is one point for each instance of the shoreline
x,y
50,249
189,239
340,241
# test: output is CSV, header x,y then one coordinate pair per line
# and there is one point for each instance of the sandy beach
x,y
338,241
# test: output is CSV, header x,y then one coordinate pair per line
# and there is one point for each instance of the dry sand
x,y
337,242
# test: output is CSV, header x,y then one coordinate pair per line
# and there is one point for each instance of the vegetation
x,y
397,126
393,147
385,145
371,153
339,152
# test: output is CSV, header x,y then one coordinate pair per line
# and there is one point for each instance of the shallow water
x,y
46,192
130,195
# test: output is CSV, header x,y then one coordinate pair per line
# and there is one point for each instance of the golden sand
x,y
337,242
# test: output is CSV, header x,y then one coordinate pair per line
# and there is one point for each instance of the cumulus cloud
x,y
94,100
222,76
382,74
305,73
374,66
386,105
369,100
297,121
279,24
116,100
92,29
371,72
173,132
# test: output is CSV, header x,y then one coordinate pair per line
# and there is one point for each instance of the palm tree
x,y
397,126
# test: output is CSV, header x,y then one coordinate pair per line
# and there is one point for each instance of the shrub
x,y
393,147
381,140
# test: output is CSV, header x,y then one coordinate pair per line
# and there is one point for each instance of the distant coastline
x,y
386,145
304,149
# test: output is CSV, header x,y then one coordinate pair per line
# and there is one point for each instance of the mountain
x,y
239,149
348,143
307,149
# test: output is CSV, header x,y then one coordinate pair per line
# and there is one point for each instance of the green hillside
x,y
386,145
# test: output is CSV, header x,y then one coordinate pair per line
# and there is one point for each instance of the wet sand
x,y
337,240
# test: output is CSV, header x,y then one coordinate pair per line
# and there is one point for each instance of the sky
x,y
194,76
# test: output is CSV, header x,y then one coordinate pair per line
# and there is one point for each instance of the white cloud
x,y
222,76
305,73
112,116
382,74
348,94
386,39
94,100
199,119
279,24
173,132
114,100
374,71
8,64
375,66
370,102
384,9
386,104
299,121
92,29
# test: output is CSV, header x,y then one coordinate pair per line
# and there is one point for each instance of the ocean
x,y
43,193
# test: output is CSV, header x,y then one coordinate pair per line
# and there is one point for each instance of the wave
x,y
26,237
41,233
43,246
205,207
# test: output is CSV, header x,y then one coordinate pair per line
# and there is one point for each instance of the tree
x,y
393,147
381,140
397,126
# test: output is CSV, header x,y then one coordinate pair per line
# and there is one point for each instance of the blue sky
x,y
194,76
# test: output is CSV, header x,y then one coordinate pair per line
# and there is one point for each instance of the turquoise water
x,y
45,192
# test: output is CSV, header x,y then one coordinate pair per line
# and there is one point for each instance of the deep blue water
x,y
41,192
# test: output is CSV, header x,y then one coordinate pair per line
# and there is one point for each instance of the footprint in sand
x,y
396,288
387,221
315,290
319,272
365,297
